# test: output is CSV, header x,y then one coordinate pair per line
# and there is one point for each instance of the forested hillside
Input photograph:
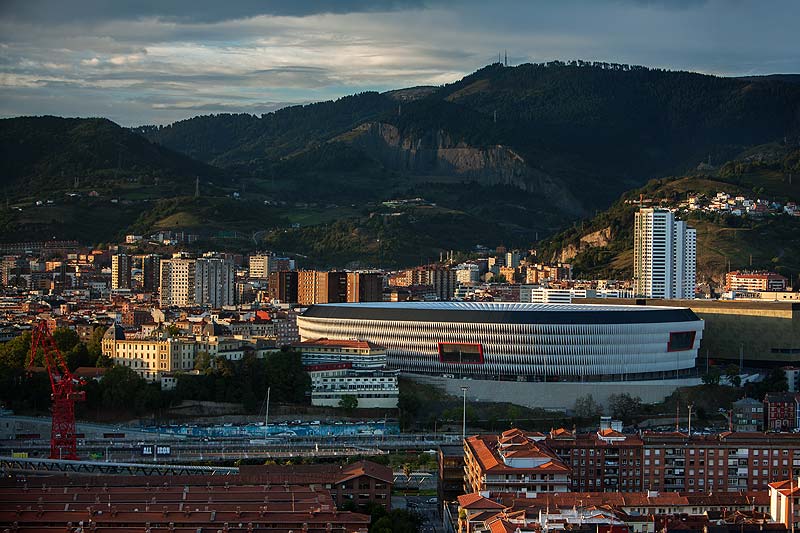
x,y
45,155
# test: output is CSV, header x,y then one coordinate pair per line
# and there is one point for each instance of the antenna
x,y
505,63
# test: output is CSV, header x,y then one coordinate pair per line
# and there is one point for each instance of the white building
x,y
177,279
664,255
468,273
205,281
373,388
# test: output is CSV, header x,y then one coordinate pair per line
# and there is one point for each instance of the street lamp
x,y
464,389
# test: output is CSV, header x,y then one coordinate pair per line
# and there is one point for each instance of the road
x,y
427,508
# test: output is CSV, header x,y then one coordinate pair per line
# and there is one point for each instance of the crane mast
x,y
63,443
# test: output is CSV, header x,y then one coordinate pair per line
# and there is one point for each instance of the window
x,y
680,341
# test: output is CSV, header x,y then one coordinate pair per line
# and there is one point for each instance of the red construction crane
x,y
63,444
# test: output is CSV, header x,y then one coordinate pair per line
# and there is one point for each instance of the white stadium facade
x,y
519,341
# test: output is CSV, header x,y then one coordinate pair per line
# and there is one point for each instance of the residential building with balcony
x,y
514,461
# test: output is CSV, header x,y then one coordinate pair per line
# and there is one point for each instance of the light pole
x,y
266,417
690,419
464,414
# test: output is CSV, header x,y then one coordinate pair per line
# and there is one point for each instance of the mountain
x,y
505,156
602,246
43,155
578,133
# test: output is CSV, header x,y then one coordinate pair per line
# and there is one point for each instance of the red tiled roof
x,y
474,500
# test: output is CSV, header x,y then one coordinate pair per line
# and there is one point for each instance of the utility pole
x,y
464,389
266,417
741,356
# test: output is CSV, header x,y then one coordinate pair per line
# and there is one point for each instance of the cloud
x,y
205,11
150,61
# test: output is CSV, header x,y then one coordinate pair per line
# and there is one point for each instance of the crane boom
x,y
63,443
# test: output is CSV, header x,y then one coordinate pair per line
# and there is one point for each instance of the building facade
x,y
664,255
364,287
120,272
215,282
177,281
515,340
512,462
754,281
331,383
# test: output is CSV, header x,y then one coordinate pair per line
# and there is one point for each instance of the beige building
x,y
259,266
148,357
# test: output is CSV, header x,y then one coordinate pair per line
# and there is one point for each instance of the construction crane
x,y
63,444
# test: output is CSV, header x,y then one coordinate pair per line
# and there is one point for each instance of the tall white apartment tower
x,y
664,255
177,281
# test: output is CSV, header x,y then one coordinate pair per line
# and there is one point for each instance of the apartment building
x,y
514,461
606,460
364,287
780,411
151,269
120,272
727,462
784,502
668,462
283,286
664,255
747,414
259,266
320,287
214,283
177,281
755,281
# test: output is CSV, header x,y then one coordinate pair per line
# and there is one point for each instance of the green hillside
x,y
724,241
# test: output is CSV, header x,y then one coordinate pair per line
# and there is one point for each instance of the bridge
x,y
22,465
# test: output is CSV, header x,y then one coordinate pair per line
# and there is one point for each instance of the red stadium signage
x,y
460,353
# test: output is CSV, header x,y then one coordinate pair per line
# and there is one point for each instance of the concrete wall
x,y
755,327
554,395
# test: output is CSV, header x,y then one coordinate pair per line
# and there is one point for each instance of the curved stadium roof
x,y
502,313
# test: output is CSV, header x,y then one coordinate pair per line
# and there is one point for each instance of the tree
x,y
712,377
624,406
202,361
121,387
348,402
732,374
587,407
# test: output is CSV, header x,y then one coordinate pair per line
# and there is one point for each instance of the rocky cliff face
x,y
435,153
595,239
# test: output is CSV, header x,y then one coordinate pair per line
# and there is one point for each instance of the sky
x,y
158,61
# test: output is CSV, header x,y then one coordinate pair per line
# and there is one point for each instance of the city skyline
x,y
139,63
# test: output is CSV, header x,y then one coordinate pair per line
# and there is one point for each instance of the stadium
x,y
519,341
